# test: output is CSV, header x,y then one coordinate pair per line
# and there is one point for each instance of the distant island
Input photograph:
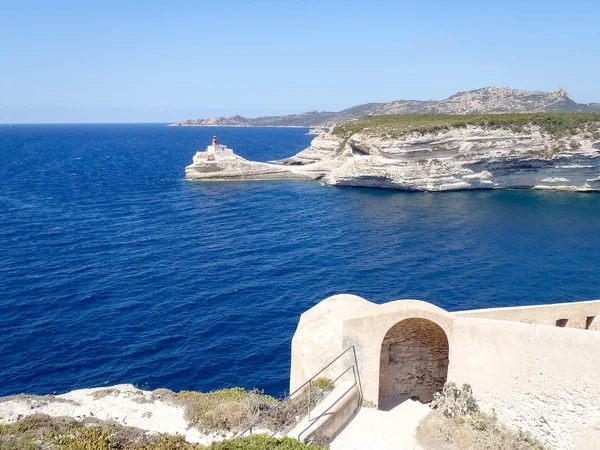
x,y
434,152
489,100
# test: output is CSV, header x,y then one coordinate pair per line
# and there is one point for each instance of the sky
x,y
158,61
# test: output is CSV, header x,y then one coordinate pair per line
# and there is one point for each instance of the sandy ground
x,y
383,430
122,403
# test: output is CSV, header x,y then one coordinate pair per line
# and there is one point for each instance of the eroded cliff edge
x,y
443,152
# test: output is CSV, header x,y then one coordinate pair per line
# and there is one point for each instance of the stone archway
x,y
413,362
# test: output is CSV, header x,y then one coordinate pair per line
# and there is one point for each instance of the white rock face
x,y
122,403
459,158
471,157
227,166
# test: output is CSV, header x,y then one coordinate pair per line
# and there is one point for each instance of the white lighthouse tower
x,y
213,152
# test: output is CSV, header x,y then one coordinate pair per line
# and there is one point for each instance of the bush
x,y
465,422
225,410
455,402
39,431
295,408
323,383
262,442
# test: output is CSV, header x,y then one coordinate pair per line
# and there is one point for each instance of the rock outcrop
x,y
481,101
226,166
443,159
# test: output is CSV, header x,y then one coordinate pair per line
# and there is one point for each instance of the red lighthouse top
x,y
215,142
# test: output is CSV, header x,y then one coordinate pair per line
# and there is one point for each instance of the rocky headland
x,y
557,151
489,100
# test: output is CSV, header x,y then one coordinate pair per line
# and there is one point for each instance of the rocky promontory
x,y
555,151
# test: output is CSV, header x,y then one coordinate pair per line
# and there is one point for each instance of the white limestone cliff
x,y
470,157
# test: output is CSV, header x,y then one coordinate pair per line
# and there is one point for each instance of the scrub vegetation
x,y
41,432
224,411
555,124
459,423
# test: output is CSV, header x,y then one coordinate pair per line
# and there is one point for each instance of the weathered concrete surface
x,y
372,429
538,376
583,315
330,416
318,338
343,321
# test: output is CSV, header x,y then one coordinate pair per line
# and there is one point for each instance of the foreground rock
x,y
123,404
443,153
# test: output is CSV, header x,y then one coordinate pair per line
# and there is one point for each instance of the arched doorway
x,y
413,362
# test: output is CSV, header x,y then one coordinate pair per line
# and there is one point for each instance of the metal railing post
x,y
357,373
309,389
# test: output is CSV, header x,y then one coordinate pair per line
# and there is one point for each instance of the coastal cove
x,y
115,269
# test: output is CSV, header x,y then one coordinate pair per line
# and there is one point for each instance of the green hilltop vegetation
x,y
555,124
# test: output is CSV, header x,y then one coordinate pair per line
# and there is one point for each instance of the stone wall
x,y
582,315
414,362
537,377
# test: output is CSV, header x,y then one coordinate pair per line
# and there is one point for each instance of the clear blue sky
x,y
155,61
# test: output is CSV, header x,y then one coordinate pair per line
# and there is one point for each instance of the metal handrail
x,y
308,383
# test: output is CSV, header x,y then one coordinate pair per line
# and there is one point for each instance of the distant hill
x,y
488,100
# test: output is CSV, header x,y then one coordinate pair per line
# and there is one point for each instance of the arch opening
x,y
413,362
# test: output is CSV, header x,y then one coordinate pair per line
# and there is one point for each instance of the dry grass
x,y
294,409
478,432
104,393
225,410
235,409
41,432
460,424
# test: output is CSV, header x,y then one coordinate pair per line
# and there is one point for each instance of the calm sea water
x,y
113,269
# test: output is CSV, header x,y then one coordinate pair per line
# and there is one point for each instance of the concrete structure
x,y
538,366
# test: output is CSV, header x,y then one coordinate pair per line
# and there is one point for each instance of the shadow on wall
x,y
413,363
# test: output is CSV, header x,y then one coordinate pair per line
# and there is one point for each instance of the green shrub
x,y
39,431
455,402
323,383
554,124
460,408
262,442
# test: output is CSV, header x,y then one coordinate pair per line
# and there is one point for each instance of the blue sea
x,y
114,269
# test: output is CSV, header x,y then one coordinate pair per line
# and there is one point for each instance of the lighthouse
x,y
214,152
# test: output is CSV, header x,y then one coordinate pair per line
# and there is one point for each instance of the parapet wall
x,y
583,315
540,378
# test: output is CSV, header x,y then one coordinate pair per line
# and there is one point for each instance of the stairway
x,y
373,429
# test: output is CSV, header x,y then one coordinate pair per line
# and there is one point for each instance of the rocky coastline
x,y
437,153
